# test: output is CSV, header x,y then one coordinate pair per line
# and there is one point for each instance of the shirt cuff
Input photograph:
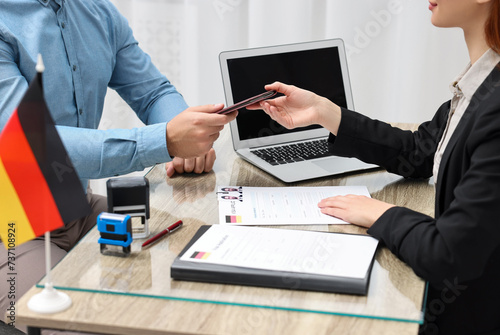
x,y
153,144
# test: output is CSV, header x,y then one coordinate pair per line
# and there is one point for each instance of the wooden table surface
x,y
138,297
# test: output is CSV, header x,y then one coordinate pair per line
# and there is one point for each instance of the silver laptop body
x,y
319,66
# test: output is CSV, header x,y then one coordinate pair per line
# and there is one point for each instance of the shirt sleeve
x,y
104,153
107,153
135,78
94,153
13,84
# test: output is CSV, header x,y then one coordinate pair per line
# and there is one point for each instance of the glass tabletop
x,y
395,292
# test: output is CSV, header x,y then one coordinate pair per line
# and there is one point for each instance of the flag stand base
x,y
49,301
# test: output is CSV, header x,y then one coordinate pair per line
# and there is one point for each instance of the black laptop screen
x,y
317,70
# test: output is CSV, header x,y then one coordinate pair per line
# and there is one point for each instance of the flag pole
x,y
49,300
48,279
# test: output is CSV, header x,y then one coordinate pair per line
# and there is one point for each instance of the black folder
x,y
224,274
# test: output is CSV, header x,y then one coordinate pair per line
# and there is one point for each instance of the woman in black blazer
x,y
458,251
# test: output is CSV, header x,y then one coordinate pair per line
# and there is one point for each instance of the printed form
x,y
330,254
243,205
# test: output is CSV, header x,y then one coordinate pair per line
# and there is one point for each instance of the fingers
x,y
339,200
204,117
342,201
177,165
335,212
357,209
254,106
189,165
272,111
170,169
185,165
280,87
269,107
281,115
333,206
211,117
214,137
207,108
193,132
209,160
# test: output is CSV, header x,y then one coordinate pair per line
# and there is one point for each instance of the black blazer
x,y
458,251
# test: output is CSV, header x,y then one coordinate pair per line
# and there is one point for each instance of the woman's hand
x,y
300,108
356,209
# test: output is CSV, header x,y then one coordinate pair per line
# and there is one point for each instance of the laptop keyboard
x,y
296,152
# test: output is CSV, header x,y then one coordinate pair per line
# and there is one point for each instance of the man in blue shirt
x,y
88,46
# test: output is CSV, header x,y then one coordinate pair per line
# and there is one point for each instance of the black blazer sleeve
x,y
406,153
465,235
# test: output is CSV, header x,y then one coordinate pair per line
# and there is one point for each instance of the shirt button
x,y
80,111
74,67
63,25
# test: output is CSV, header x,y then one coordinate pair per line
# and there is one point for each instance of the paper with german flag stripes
x,y
39,187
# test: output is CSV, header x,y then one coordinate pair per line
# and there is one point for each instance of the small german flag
x,y
39,187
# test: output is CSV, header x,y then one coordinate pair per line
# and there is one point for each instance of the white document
x,y
309,252
279,205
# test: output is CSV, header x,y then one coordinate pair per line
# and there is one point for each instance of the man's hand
x,y
201,164
192,133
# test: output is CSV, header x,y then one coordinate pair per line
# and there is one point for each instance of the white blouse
x,y
463,89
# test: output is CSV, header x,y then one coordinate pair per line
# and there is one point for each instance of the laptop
x,y
296,154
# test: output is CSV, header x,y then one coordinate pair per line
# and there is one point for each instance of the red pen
x,y
165,232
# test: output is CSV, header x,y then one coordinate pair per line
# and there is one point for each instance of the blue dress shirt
x,y
87,46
